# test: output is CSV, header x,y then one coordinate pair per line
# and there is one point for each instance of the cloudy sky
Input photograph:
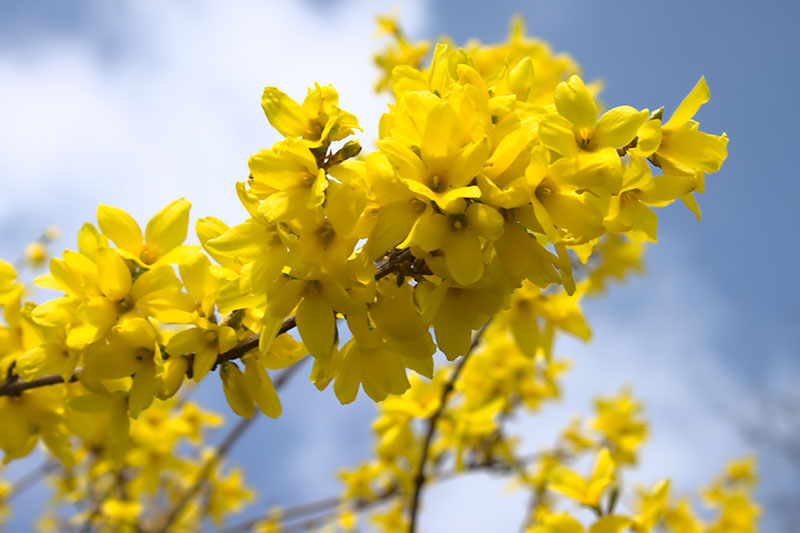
x,y
137,104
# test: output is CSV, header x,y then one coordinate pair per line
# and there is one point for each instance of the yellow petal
x,y
197,278
204,360
227,339
349,378
453,333
234,386
167,229
393,225
405,162
261,388
579,217
567,482
452,201
526,334
649,138
485,221
285,115
463,256
7,274
562,523
120,227
283,352
663,190
442,137
691,203
144,389
600,171
174,373
698,96
90,241
694,148
575,103
618,126
430,232
316,325
556,132
114,275
118,428
246,240
468,163
611,524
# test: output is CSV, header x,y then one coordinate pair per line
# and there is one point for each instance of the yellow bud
x,y
35,254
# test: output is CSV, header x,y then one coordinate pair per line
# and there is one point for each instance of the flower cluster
x,y
499,191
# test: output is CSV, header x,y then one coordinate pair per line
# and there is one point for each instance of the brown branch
x,y
13,386
419,479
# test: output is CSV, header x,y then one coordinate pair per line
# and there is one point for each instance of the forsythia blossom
x,y
499,191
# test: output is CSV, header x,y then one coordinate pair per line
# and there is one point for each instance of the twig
x,y
326,505
15,386
31,478
221,451
419,479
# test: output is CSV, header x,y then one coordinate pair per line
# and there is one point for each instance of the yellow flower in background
x,y
586,492
564,523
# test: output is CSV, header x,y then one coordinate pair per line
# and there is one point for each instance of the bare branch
x,y
419,479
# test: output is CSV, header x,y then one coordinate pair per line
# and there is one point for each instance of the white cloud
x,y
178,112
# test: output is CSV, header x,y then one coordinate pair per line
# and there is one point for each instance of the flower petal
x,y
618,126
120,227
575,103
167,229
698,96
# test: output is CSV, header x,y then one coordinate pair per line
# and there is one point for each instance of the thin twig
x,y
31,478
15,386
327,505
221,451
419,479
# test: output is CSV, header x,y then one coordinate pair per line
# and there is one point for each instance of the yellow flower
x,y
586,492
460,238
444,156
366,361
131,349
399,52
686,147
576,127
163,236
628,212
205,341
317,121
287,178
564,523
652,506
35,254
619,420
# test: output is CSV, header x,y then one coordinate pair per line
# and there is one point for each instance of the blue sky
x,y
134,105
